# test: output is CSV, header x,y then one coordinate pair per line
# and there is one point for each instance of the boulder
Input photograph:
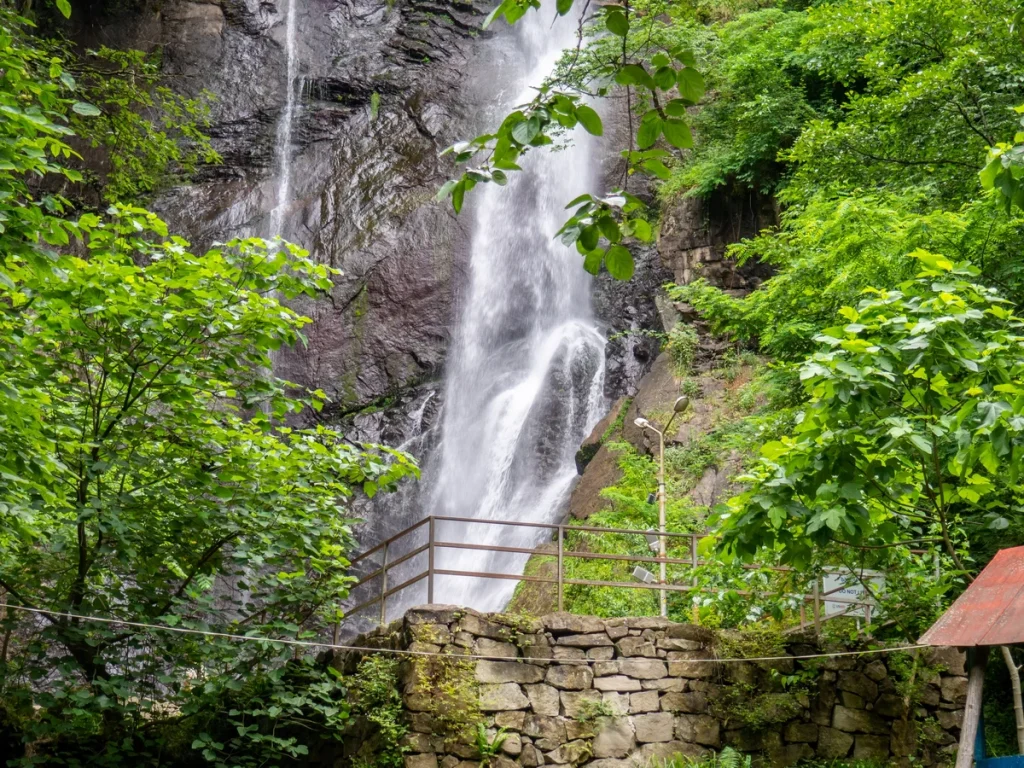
x,y
619,683
531,757
644,702
833,744
954,690
508,672
870,748
543,699
428,760
570,753
657,727
800,732
689,702
661,752
636,646
858,721
643,669
485,646
859,684
701,729
544,728
572,701
513,744
569,624
501,696
876,670
593,640
511,720
615,739
618,703
481,627
570,677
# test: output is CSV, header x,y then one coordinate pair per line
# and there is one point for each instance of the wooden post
x,y
384,586
561,574
977,659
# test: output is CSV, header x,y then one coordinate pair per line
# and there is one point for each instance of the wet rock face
x,y
363,178
695,234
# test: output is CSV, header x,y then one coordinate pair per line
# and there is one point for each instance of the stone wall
x,y
613,693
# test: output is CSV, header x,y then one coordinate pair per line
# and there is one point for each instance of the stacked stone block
x,y
615,693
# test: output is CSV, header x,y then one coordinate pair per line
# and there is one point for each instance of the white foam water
x,y
525,378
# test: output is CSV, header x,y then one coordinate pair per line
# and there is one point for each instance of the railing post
x,y
384,587
696,583
430,561
561,576
817,608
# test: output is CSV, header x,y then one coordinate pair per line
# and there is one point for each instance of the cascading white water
x,y
283,138
525,376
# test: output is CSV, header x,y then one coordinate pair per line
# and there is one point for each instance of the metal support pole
x,y
430,561
696,581
384,587
661,520
561,572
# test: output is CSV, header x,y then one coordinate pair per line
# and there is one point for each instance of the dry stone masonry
x,y
615,693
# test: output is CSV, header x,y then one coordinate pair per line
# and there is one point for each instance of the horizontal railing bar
x,y
554,527
387,594
394,538
625,584
577,555
392,564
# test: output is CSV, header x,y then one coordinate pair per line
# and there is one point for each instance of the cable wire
x,y
399,652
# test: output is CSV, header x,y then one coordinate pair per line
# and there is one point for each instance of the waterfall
x,y
283,138
525,376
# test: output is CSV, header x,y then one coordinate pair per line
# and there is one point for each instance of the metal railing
x,y
560,554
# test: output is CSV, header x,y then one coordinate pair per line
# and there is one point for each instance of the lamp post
x,y
681,405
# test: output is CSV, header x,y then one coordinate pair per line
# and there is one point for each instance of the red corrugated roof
x,y
990,611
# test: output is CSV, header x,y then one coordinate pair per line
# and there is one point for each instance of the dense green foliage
x,y
869,122
147,474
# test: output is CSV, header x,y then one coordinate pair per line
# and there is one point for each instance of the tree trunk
x,y
1018,704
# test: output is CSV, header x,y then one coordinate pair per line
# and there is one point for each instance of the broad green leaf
x,y
563,7
677,133
592,261
64,6
619,262
634,74
691,85
657,168
648,133
83,108
589,237
617,23
590,120
665,78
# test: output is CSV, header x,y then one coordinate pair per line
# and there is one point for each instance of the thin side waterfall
x,y
283,139
525,376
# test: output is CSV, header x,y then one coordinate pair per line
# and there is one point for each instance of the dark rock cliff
x,y
363,179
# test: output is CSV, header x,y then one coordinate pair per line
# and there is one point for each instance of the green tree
x,y
913,434
660,77
147,470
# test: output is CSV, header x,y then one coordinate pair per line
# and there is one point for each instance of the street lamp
x,y
681,405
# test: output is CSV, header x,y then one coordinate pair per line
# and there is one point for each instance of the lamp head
x,y
682,404
642,423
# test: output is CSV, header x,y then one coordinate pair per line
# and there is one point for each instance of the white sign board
x,y
841,583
